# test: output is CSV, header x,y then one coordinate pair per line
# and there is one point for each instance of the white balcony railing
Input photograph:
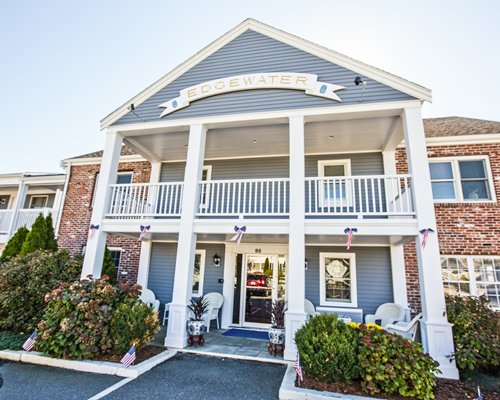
x,y
245,197
146,200
359,196
5,218
27,216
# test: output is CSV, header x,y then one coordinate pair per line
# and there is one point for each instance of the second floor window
x,y
461,179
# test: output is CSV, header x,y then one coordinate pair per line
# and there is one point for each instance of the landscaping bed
x,y
141,355
445,389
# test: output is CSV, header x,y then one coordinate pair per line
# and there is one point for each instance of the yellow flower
x,y
375,326
353,324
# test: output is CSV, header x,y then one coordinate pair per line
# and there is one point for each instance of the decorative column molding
x,y
437,337
96,243
184,264
295,315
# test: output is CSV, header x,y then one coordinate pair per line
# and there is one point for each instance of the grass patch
x,y
12,340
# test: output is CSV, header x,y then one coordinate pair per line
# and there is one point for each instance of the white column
x,y
184,264
146,245
437,337
92,264
295,315
18,204
228,288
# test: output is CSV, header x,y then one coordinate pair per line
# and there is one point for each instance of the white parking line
x,y
111,389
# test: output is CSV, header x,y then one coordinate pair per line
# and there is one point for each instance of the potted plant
x,y
277,330
196,325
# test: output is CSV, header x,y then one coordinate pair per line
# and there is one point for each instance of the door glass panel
x,y
259,290
281,277
237,289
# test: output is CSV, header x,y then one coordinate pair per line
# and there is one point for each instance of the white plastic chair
x,y
215,301
148,297
405,329
309,309
388,313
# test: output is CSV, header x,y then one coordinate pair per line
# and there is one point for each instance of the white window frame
x,y
346,163
96,182
471,271
120,262
45,196
457,180
202,254
322,280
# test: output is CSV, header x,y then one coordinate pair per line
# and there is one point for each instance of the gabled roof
x,y
126,151
459,126
376,74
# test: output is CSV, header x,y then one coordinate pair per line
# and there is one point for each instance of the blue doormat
x,y
247,333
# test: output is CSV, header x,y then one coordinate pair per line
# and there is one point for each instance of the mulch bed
x,y
141,355
446,389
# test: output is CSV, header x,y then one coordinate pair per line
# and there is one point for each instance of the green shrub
x,y
476,333
15,244
328,349
109,267
37,237
50,235
24,281
12,340
391,364
91,318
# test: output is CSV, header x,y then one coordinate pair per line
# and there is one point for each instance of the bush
x,y
15,244
476,333
50,235
12,340
328,349
391,364
24,281
92,318
109,267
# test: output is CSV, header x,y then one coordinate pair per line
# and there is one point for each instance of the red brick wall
x,y
77,213
463,228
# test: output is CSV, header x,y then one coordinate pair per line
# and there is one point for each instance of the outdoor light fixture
x,y
358,80
216,260
305,264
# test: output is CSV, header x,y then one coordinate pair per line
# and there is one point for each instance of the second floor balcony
x,y
368,196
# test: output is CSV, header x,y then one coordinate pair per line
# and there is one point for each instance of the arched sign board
x,y
277,80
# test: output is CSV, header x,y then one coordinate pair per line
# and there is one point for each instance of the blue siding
x,y
373,273
252,52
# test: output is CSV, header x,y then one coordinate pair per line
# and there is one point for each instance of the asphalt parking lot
x,y
183,376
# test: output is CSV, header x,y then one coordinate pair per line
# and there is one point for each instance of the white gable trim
x,y
386,78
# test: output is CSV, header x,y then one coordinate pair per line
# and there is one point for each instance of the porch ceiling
x,y
321,136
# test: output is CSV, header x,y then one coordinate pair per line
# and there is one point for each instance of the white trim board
x,y
376,74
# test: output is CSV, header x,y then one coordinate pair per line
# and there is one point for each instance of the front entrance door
x,y
263,281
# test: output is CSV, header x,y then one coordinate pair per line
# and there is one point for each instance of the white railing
x,y
26,217
244,197
146,200
359,196
5,218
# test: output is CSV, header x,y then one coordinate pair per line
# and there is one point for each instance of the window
x,y
334,191
198,273
121,178
472,275
116,254
338,279
461,179
38,201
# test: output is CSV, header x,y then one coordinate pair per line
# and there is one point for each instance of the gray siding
x,y
373,273
252,52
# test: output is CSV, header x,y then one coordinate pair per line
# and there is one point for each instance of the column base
x,y
293,322
437,340
177,336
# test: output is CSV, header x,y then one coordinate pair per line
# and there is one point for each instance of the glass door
x,y
264,281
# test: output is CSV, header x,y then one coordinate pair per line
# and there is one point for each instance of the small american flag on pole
x,y
350,232
298,368
129,357
30,342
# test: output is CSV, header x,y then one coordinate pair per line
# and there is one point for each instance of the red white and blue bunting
x,y
350,233
425,235
144,231
93,228
239,233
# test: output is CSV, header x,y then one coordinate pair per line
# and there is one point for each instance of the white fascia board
x,y
359,67
97,160
41,180
490,138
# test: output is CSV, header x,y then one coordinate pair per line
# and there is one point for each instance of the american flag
x,y
30,342
425,233
129,357
349,232
479,395
298,368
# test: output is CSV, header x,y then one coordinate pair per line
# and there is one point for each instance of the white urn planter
x,y
276,335
196,328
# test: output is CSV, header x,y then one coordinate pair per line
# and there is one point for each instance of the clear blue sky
x,y
67,64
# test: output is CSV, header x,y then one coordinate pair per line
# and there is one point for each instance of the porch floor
x,y
232,347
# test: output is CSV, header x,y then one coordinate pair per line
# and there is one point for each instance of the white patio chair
x,y
309,309
215,301
405,329
388,313
148,297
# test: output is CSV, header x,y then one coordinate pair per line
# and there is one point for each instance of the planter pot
x,y
196,328
276,335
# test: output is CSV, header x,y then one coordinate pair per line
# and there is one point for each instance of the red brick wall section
x,y
463,228
77,213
